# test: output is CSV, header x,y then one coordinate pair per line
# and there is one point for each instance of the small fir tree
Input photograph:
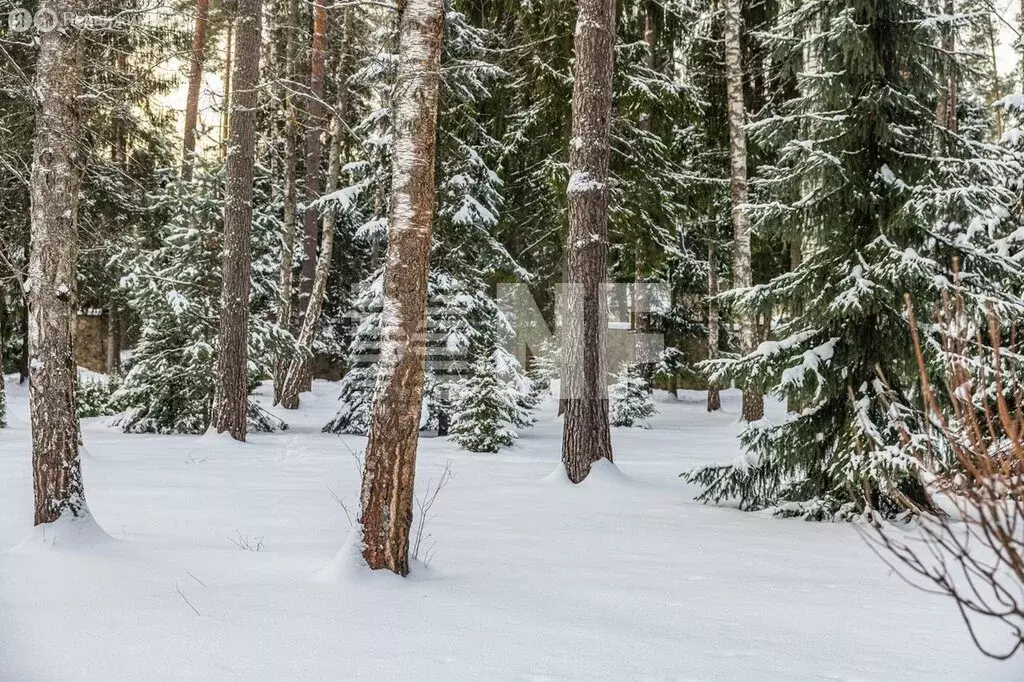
x,y
485,410
630,397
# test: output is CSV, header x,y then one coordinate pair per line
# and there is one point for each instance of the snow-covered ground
x,y
622,578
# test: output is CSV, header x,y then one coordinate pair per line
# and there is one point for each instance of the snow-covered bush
x,y
630,399
95,396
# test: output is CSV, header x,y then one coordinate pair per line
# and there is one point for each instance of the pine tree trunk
x,y
314,131
300,368
641,296
23,360
195,80
52,289
586,437
753,404
284,304
232,401
113,360
390,467
714,397
949,98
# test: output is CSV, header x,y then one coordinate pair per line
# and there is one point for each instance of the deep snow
x,y
622,578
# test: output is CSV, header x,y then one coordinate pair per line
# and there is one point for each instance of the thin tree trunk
x,y
3,378
23,361
52,288
284,303
997,90
586,437
314,146
945,108
225,114
753,404
641,295
300,368
390,467
113,345
714,397
195,80
232,401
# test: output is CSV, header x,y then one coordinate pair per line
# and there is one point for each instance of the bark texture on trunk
x,y
113,359
52,291
753,404
390,467
195,81
284,301
232,401
300,369
586,437
714,397
949,97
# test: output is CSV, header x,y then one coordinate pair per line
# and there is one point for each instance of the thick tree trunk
x,y
284,301
390,467
195,81
714,397
314,131
300,368
586,437
753,404
231,403
52,288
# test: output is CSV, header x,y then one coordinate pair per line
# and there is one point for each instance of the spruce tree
x,y
173,286
630,397
485,409
885,210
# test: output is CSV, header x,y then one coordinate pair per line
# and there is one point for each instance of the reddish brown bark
x,y
195,80
586,437
390,467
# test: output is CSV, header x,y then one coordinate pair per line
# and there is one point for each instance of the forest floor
x,y
225,561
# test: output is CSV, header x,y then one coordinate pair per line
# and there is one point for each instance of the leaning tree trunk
x,y
314,149
232,397
586,437
195,80
714,397
300,367
284,300
52,290
753,404
390,468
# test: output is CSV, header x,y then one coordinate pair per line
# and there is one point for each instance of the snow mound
x,y
347,566
603,473
74,533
